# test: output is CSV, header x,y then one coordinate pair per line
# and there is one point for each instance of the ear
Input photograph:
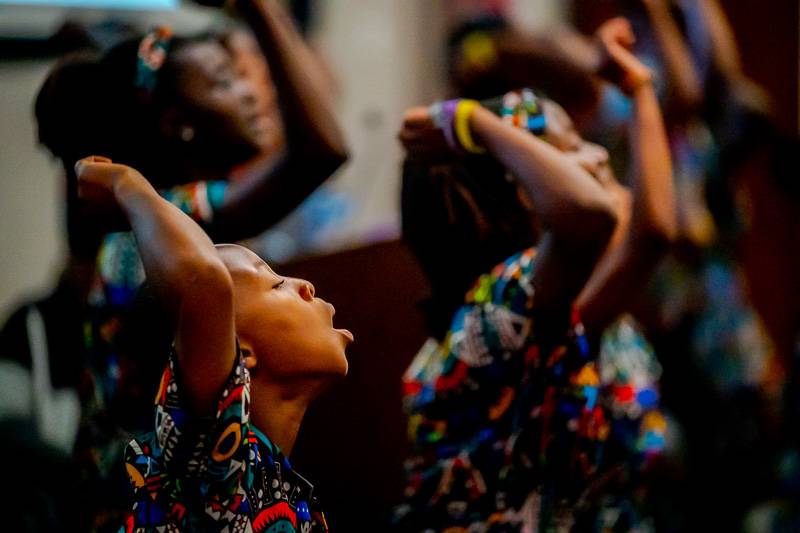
x,y
175,125
250,359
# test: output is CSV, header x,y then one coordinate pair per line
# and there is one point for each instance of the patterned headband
x,y
151,56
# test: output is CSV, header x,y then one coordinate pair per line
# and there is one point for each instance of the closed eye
x,y
279,284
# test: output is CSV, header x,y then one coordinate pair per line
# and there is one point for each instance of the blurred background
x,y
387,55
384,56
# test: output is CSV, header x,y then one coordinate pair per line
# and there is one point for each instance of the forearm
x,y
653,216
723,43
570,48
178,256
679,64
572,204
315,145
647,220
310,123
259,202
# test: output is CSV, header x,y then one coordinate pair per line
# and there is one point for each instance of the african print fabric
x,y
514,425
215,474
111,390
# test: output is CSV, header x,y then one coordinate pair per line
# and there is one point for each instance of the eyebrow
x,y
263,265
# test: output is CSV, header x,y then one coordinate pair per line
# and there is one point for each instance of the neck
x,y
277,413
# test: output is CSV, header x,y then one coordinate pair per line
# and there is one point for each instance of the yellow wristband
x,y
464,111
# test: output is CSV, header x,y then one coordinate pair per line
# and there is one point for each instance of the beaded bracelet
x,y
464,111
521,109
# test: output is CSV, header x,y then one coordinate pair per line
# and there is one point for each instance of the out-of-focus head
x,y
251,65
194,100
285,331
156,100
460,219
71,125
488,56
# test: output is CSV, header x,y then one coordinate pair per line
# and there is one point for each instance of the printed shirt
x,y
214,473
514,426
110,384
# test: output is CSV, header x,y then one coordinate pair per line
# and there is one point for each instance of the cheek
x,y
299,343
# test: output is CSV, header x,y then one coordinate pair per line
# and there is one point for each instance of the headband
x,y
152,53
523,109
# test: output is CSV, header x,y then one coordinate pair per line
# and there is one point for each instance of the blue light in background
x,y
97,4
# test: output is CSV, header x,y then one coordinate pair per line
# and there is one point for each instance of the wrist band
x,y
464,111
443,115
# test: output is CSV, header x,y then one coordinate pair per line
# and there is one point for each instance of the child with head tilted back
x,y
512,414
244,336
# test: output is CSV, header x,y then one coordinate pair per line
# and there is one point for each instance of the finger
x,y
417,117
627,37
82,164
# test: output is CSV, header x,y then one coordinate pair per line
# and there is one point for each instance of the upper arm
x,y
622,271
270,193
205,339
562,269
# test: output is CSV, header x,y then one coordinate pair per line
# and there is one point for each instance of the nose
x,y
306,289
247,92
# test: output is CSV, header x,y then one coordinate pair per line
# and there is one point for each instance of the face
x,y
249,62
289,330
223,106
562,134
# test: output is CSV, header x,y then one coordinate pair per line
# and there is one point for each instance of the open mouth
x,y
345,333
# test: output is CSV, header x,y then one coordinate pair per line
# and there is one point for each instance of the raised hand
x,y
619,65
99,181
421,138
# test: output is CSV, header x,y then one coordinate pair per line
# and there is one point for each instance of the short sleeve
x,y
199,200
211,449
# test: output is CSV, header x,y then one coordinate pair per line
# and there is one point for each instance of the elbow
x,y
598,223
687,99
590,229
326,150
333,157
204,274
656,240
322,161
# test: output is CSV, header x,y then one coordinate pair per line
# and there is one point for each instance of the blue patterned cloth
x,y
215,473
513,426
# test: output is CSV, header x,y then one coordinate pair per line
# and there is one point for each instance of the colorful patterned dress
x,y
512,425
215,473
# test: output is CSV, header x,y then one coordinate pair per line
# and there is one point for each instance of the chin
x,y
339,367
345,367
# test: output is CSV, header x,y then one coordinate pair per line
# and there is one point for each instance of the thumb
x,y
81,165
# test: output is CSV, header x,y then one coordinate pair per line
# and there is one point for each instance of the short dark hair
x,y
460,219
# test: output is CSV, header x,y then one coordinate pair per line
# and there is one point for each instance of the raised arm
x,y
575,210
183,268
687,87
315,144
646,212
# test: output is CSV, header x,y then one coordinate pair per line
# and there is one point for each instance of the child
x,y
243,336
508,414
